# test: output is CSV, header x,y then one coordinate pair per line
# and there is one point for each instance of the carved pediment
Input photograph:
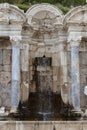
x,y
10,14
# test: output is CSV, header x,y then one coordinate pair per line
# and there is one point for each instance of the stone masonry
x,y
43,30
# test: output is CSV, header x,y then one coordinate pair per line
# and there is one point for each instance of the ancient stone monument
x,y
43,31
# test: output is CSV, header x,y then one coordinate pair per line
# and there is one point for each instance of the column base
x,y
85,114
77,113
13,110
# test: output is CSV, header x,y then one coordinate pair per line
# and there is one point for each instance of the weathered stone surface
x,y
55,87
5,93
5,44
44,33
24,91
0,101
7,57
5,77
15,95
1,57
25,60
38,125
55,61
75,77
24,86
55,78
6,68
1,68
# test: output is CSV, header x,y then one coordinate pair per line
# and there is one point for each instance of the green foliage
x,y
62,8
73,2
79,2
23,6
64,5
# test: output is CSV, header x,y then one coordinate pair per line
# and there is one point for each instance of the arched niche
x,y
10,14
77,15
39,12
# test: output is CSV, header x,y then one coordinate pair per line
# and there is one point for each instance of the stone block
x,y
25,125
84,125
41,50
48,54
25,76
1,56
37,54
25,60
5,93
50,125
0,101
33,54
7,57
6,44
74,125
55,78
24,91
61,125
6,68
12,125
5,77
50,49
26,46
32,86
30,62
1,68
55,61
4,126
45,126
83,57
55,87
55,70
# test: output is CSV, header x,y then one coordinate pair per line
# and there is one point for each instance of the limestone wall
x,y
5,72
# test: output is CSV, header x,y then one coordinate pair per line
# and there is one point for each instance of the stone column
x,y
15,73
25,72
75,75
63,72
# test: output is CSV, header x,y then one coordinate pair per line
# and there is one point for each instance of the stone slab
x,y
43,125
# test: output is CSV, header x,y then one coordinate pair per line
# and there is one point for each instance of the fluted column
x,y
75,75
15,95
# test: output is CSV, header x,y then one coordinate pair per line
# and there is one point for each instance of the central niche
x,y
43,74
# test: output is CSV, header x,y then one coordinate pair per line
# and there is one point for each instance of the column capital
x,y
75,43
74,40
15,40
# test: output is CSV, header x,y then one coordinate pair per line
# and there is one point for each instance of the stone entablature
x,y
42,30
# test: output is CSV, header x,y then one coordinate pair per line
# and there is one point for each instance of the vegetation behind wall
x,y
64,5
